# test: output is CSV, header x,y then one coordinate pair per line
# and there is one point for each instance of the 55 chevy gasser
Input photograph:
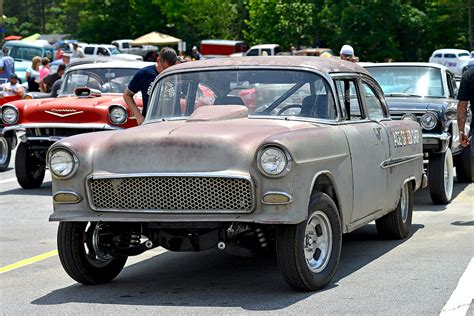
x,y
294,172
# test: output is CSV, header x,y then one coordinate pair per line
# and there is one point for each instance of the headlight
x,y
9,114
273,161
428,121
62,163
117,114
409,116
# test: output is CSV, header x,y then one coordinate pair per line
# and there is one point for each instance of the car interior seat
x,y
315,106
227,100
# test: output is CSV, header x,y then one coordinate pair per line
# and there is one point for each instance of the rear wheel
x,y
397,224
308,253
465,165
5,154
83,255
440,177
29,168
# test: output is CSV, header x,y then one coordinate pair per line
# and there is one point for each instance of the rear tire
x,y
440,177
308,253
397,224
465,165
5,153
78,258
29,169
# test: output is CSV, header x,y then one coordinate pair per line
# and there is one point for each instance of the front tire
x,y
397,224
308,253
29,168
76,247
465,165
5,154
440,177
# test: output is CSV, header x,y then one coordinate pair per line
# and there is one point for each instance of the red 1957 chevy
x,y
90,100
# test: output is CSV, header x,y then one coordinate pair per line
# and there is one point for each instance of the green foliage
x,y
377,29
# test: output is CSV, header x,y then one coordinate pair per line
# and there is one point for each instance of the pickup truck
x,y
125,46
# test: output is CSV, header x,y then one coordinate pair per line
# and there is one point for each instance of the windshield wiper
x,y
400,94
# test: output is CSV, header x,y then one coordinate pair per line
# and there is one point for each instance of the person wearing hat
x,y
347,53
12,87
77,52
196,55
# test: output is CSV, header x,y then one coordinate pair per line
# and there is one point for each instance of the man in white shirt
x,y
12,87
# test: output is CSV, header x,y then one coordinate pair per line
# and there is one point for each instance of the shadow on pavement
x,y
422,199
217,279
44,190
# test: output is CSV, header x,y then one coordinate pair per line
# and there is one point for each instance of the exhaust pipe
x,y
221,245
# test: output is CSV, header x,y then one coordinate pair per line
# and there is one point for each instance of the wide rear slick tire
x,y
80,261
397,224
5,153
440,177
308,253
29,169
465,165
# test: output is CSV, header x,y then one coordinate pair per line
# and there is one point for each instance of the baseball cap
x,y
347,50
67,55
194,47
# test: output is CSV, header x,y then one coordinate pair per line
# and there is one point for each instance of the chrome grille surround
x,y
171,193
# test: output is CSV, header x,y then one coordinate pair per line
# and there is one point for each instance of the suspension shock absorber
x,y
261,237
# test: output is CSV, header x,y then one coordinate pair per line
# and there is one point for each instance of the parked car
x,y
222,48
454,59
23,52
125,46
426,93
224,175
107,50
90,100
263,50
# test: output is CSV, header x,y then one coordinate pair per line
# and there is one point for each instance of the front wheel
x,y
397,224
308,253
440,177
29,167
5,154
83,254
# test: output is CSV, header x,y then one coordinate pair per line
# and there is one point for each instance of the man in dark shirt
x,y
49,80
144,78
465,95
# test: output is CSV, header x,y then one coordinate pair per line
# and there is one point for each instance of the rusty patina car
x,y
294,173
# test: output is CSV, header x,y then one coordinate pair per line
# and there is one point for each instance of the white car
x,y
454,59
263,50
107,50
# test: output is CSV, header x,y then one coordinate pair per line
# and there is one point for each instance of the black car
x,y
426,93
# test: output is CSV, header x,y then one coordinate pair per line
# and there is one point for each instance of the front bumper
x,y
436,143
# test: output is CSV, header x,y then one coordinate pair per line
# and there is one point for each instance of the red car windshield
x,y
106,80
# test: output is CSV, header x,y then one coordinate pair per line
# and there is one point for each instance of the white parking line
x,y
7,180
460,300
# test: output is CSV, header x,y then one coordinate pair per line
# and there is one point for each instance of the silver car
x,y
260,153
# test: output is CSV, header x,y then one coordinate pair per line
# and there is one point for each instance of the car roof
x,y
220,42
112,64
450,50
325,65
28,44
405,64
265,46
102,45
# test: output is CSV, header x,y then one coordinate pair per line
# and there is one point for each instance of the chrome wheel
x,y
317,241
4,150
404,203
448,175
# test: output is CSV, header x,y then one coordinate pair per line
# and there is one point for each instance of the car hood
x,y
67,109
415,104
214,145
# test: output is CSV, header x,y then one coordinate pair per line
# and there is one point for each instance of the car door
x,y
368,145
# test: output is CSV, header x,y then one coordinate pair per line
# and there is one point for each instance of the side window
x,y
253,52
452,85
125,45
449,56
266,52
89,50
437,56
374,106
349,99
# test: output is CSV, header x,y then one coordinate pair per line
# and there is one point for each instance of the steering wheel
x,y
289,106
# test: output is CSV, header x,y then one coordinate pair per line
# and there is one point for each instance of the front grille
x,y
172,193
59,132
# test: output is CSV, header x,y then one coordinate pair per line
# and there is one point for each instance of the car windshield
x,y
106,80
283,93
25,53
114,50
409,81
